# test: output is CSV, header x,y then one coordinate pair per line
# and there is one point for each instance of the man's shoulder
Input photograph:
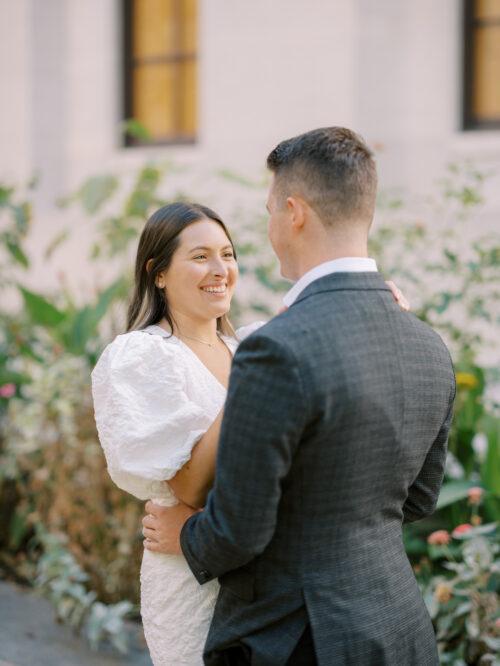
x,y
285,333
432,339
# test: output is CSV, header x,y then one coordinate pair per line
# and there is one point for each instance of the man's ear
x,y
297,210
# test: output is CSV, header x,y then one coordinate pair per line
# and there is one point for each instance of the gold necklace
x,y
203,342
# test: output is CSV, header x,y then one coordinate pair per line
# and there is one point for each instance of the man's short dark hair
x,y
332,169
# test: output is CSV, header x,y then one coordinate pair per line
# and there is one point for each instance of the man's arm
x,y
263,421
424,492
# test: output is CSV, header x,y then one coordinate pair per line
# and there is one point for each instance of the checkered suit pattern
x,y
334,434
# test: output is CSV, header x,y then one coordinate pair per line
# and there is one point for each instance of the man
x,y
334,434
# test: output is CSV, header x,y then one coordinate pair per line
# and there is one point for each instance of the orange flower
x,y
475,494
443,593
461,529
438,538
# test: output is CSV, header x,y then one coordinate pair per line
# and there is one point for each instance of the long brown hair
x,y
159,240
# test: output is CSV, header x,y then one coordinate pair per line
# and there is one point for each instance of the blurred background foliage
x,y
67,530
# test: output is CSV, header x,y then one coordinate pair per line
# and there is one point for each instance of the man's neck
x,y
309,261
344,264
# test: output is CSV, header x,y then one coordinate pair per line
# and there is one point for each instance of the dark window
x,y
160,39
482,64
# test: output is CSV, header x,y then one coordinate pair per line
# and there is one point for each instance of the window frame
x,y
127,81
469,120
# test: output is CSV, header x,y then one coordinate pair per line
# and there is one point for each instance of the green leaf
x,y
17,253
481,530
22,216
5,194
96,191
462,609
116,290
55,243
453,491
136,130
19,527
143,195
86,320
490,472
40,310
475,538
492,643
32,183
444,301
451,256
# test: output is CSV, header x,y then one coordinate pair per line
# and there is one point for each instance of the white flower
x,y
480,445
454,469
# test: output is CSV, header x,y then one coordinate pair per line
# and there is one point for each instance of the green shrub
x,y
73,532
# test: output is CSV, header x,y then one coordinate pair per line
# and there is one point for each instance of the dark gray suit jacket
x,y
334,434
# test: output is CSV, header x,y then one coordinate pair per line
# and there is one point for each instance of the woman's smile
x,y
215,289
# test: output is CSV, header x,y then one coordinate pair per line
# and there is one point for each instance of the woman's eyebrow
x,y
207,249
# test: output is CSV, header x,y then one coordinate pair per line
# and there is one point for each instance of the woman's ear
x,y
159,280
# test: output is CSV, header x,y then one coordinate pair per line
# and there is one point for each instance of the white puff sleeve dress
x,y
153,400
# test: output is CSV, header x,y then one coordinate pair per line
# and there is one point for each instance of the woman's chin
x,y
222,312
218,310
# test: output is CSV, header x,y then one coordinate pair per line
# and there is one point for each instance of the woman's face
x,y
201,278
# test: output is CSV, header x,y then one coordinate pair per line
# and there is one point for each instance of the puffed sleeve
x,y
244,331
146,423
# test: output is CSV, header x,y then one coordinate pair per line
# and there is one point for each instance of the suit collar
x,y
344,282
340,265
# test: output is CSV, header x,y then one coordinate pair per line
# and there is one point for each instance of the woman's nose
x,y
219,269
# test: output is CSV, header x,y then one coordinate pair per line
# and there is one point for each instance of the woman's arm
x,y
194,480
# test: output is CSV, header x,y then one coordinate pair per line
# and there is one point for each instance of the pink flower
x,y
475,495
438,538
7,390
461,529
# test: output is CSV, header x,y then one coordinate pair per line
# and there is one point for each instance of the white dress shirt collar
x,y
343,265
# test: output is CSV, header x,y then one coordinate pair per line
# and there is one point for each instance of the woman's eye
x,y
229,255
201,256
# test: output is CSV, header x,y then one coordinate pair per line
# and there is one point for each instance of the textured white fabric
x,y
153,400
342,265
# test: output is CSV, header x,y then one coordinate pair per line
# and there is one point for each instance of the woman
x,y
159,391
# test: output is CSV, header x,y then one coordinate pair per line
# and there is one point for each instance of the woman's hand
x,y
162,525
398,296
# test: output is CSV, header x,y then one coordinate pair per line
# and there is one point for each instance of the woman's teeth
x,y
215,290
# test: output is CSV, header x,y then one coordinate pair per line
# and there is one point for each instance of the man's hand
x,y
162,527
